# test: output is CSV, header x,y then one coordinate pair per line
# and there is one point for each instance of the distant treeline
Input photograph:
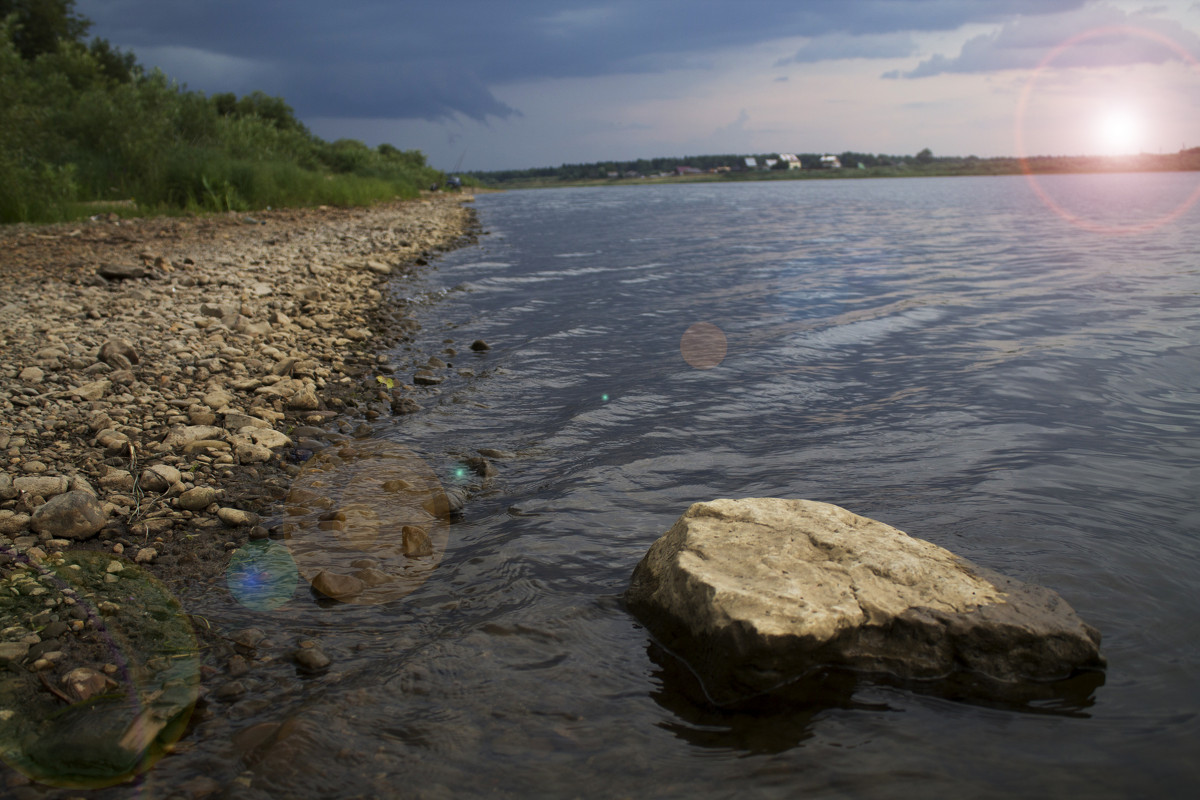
x,y
83,123
652,166
730,167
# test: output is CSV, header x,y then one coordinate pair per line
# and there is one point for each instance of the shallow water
x,y
946,355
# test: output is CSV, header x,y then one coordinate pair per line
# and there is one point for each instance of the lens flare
x,y
703,345
345,517
1119,131
262,576
1120,127
121,721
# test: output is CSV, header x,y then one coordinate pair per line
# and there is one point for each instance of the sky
x,y
514,84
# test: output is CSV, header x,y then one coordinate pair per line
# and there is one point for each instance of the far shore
x,y
1183,161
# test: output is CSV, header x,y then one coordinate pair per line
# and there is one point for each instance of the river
x,y
950,356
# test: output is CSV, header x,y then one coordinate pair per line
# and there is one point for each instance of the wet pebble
x,y
309,657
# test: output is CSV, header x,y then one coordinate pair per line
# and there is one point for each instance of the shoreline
x,y
163,381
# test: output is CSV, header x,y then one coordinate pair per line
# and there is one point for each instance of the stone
x,y
336,586
304,400
372,577
249,453
415,541
73,515
7,490
31,375
201,416
145,555
92,391
117,480
84,683
251,327
186,434
267,437
753,594
160,477
45,486
198,499
404,405
114,442
13,651
230,691
236,518
12,523
118,354
235,422
427,378
226,312
479,345
218,399
122,272
203,446
80,484
249,638
311,658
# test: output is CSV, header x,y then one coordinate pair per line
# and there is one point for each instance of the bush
x,y
87,124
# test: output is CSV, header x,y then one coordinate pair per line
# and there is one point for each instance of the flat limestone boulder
x,y
754,594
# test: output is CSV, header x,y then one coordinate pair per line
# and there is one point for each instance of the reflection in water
x,y
785,717
769,723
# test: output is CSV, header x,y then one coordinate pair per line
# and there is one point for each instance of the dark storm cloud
x,y
840,46
433,60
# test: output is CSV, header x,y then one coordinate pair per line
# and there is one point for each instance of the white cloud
x,y
1098,36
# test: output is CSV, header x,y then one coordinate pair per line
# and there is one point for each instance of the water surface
x,y
945,355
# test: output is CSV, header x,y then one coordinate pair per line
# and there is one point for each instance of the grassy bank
x,y
83,125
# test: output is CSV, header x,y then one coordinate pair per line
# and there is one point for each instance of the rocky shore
x,y
161,383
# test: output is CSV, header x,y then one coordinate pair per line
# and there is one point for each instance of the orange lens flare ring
x,y
1022,107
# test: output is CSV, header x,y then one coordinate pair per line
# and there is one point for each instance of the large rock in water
x,y
756,593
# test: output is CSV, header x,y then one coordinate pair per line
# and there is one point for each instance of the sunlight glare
x,y
1119,131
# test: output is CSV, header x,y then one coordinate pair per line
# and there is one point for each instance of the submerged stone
x,y
754,594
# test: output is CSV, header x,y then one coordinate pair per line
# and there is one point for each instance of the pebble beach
x,y
162,381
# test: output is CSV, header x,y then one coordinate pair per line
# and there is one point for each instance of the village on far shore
x,y
849,164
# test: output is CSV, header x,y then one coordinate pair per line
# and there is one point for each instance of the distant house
x,y
790,159
770,162
751,162
831,162
686,170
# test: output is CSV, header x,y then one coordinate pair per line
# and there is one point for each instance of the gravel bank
x,y
161,381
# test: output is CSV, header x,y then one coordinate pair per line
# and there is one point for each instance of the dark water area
x,y
948,356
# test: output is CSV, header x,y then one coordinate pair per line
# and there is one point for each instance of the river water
x,y
949,356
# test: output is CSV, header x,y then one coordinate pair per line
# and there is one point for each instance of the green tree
x,y
42,24
925,156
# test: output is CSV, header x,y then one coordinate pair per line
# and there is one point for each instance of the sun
x,y
1119,131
